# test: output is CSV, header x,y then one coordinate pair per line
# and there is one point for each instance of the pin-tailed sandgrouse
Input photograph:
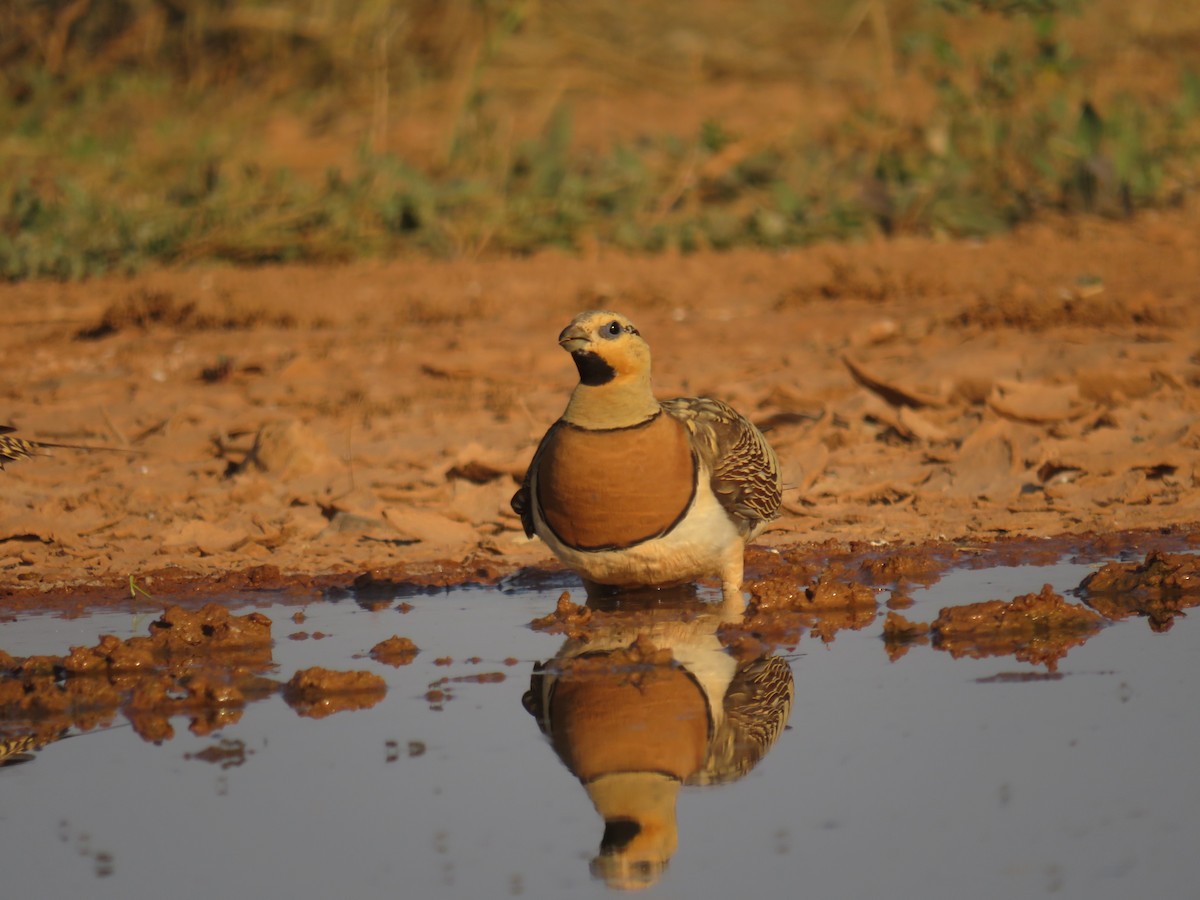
x,y
630,490
14,448
636,730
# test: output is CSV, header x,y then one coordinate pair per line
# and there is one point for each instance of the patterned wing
x,y
13,449
745,472
757,705
20,748
15,750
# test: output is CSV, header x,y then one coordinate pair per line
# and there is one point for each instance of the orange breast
x,y
658,723
609,489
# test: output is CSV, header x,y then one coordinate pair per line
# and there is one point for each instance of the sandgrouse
x,y
14,448
638,709
629,490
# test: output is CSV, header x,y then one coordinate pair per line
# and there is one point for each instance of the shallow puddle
x,y
908,767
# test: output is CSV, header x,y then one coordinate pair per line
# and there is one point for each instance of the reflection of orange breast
x,y
656,724
608,489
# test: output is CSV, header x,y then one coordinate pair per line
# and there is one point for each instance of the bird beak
x,y
573,338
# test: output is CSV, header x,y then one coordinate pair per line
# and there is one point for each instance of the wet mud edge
x,y
883,563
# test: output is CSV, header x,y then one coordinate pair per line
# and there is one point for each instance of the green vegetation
x,y
132,132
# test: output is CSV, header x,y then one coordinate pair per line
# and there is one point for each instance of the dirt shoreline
x,y
314,424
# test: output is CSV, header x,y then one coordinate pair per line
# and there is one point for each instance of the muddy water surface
x,y
923,764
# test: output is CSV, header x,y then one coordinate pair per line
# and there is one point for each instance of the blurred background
x,y
137,133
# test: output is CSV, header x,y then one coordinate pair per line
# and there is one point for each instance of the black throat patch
x,y
593,370
618,834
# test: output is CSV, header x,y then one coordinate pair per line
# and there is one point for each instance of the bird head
x,y
606,347
640,831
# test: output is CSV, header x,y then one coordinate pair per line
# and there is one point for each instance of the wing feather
x,y
12,449
745,472
757,705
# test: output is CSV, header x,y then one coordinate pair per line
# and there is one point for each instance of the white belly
x,y
697,547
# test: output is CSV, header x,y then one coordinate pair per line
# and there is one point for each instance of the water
x,y
929,776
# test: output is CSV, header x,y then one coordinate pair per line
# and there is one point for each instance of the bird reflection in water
x,y
646,699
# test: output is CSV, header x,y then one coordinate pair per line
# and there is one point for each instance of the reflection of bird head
x,y
614,371
640,834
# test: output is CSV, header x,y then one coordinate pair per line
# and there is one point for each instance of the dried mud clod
x,y
205,664
642,667
1159,588
781,609
318,692
396,651
1165,572
801,566
627,612
640,657
899,635
912,566
834,589
834,593
1036,628
213,627
568,618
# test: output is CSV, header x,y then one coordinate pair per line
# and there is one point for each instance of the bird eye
x,y
612,329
